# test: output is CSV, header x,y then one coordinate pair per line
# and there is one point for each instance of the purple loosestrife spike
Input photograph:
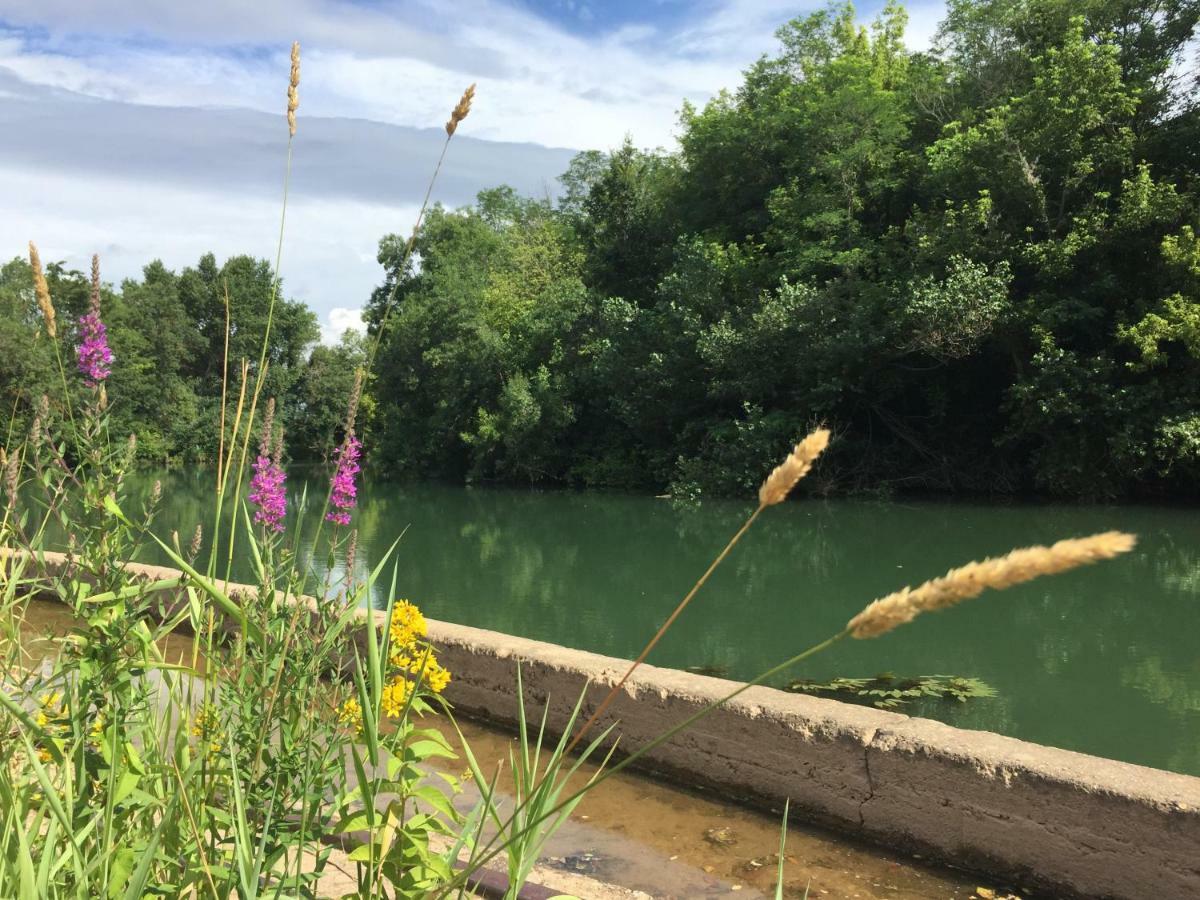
x,y
95,357
267,486
268,428
344,492
267,493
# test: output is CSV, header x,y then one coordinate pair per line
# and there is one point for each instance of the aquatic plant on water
x,y
133,767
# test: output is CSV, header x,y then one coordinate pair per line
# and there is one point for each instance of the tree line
x,y
167,332
978,264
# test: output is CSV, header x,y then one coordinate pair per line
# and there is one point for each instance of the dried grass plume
x,y
781,481
293,89
461,111
974,578
41,291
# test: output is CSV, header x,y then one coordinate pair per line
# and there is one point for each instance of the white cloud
x,y
338,321
328,246
536,82
155,182
155,129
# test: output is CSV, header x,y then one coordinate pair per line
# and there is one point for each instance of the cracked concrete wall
x,y
1066,822
1072,824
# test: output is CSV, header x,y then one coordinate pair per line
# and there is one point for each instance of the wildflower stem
x,y
261,373
601,777
388,306
616,688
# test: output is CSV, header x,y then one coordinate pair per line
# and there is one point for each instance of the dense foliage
x,y
979,265
167,333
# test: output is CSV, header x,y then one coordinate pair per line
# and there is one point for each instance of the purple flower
x,y
267,493
266,487
345,491
95,358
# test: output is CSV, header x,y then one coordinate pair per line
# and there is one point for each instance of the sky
x,y
154,129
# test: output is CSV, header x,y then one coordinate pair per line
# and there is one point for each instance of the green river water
x,y
1104,660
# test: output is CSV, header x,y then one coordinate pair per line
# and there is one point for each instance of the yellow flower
x,y
436,677
350,713
394,695
205,722
96,733
44,755
408,625
420,662
206,727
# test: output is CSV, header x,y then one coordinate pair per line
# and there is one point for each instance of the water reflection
x,y
1100,660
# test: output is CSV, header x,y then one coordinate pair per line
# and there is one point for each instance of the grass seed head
x,y
197,542
12,475
41,291
461,111
293,91
781,481
974,578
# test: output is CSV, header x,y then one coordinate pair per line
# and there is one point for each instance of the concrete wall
x,y
1066,822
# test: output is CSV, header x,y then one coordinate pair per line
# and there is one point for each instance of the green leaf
x,y
427,749
120,868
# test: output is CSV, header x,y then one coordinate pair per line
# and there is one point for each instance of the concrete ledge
x,y
1065,822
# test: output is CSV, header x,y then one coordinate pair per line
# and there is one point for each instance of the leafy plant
x,y
889,691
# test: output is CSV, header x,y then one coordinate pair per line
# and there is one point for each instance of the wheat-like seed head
x,y
461,111
293,89
12,475
95,299
974,578
781,481
41,291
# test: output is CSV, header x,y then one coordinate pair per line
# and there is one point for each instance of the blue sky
x,y
152,128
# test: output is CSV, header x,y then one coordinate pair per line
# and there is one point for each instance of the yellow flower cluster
x,y
207,728
50,709
411,658
350,714
50,717
423,666
411,665
395,693
96,732
408,625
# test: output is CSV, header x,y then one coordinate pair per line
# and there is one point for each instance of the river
x,y
1102,660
